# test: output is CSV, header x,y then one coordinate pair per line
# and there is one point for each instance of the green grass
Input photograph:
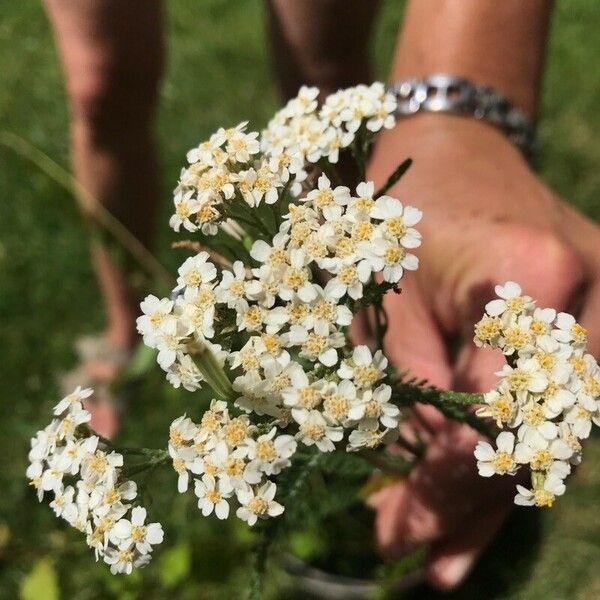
x,y
218,73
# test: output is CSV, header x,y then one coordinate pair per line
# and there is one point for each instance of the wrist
x,y
498,44
435,128
460,143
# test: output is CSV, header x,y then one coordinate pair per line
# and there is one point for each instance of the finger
x,y
451,560
437,496
391,504
475,369
590,318
414,341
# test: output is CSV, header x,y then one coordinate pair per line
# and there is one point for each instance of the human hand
x,y
487,219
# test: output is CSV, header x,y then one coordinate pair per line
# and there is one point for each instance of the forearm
x,y
500,43
320,42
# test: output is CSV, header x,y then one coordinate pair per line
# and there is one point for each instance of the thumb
x,y
552,276
451,560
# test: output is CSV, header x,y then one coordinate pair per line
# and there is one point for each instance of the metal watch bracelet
x,y
458,96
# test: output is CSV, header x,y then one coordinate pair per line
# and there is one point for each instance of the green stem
x,y
252,219
213,373
381,323
394,177
453,405
416,449
390,465
276,215
261,554
161,457
330,171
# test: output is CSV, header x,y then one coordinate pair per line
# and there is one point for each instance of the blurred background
x,y
218,73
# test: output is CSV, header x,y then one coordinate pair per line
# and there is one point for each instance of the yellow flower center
x,y
372,409
502,409
313,431
258,506
296,312
176,438
156,318
237,288
308,397
272,344
249,360
97,463
365,376
546,360
345,247
314,345
277,258
539,327
280,382
234,467
488,329
393,255
235,431
518,380
209,467
364,204
213,496
295,277
533,416
543,498
516,337
541,460
578,364
362,230
336,406
299,232
395,227
515,304
253,318
579,333
265,450
323,198
315,248
210,421
503,463
348,275
182,210
324,309
112,496
207,214
179,465
137,533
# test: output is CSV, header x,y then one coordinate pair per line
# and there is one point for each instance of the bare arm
x,y
501,44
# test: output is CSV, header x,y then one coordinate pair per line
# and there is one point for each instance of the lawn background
x,y
217,73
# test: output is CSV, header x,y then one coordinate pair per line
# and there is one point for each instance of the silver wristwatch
x,y
456,95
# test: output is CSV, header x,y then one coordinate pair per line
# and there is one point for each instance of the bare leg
x,y
111,51
321,42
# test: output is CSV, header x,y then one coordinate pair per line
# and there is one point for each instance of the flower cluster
x,y
310,132
227,171
281,335
89,490
275,331
235,170
549,393
231,460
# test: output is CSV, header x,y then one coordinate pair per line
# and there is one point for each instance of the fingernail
x,y
453,571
